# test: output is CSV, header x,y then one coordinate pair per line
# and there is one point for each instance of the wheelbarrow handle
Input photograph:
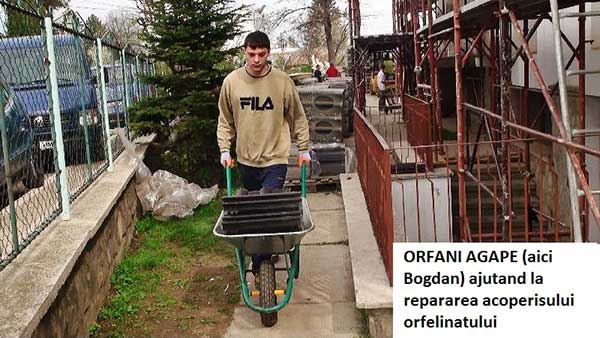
x,y
303,180
230,188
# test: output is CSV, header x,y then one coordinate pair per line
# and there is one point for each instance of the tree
x,y
16,23
124,26
323,27
94,26
324,24
188,36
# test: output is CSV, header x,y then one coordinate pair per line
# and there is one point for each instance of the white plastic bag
x,y
163,193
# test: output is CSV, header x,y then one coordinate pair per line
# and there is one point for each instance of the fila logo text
x,y
254,103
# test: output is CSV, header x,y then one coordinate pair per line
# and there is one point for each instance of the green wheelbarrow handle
x,y
230,188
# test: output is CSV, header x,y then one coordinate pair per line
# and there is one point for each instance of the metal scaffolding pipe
x,y
505,80
464,222
566,120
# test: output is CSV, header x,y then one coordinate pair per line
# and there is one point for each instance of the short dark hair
x,y
382,66
257,39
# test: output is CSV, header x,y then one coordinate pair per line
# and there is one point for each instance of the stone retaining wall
x,y
80,299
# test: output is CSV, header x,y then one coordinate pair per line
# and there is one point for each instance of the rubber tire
x,y
267,292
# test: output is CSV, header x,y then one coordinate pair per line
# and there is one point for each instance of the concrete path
x,y
322,304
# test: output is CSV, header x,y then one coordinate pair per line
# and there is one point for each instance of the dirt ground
x,y
195,300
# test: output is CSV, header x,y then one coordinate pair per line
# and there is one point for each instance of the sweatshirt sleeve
x,y
297,117
226,125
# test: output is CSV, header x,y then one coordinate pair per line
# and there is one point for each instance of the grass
x,y
163,248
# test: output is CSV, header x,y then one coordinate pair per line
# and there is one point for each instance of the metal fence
x,y
425,187
63,94
374,169
427,203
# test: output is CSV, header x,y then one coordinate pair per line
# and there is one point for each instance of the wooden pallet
x,y
325,183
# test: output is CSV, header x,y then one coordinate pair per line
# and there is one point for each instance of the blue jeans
x,y
253,179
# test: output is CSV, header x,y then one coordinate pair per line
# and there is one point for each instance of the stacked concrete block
x,y
331,158
326,129
328,107
324,108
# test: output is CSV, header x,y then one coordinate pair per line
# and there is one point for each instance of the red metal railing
x,y
374,170
427,202
417,114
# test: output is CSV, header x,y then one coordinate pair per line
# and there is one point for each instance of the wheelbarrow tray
x,y
268,243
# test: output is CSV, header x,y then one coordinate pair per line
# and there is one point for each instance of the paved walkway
x,y
322,305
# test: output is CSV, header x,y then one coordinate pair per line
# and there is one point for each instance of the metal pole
x,y
414,18
84,116
581,116
100,64
54,105
351,25
464,223
125,69
84,112
505,80
147,70
8,175
394,18
435,94
138,85
566,119
525,119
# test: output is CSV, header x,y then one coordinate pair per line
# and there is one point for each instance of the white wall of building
x,y
429,222
592,120
544,51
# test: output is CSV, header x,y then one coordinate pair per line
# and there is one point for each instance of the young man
x,y
260,108
381,88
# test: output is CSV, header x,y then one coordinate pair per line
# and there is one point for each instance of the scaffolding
x,y
486,40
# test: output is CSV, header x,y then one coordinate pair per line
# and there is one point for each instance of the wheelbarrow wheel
x,y
267,292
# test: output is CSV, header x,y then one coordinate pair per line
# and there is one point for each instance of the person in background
x,y
381,88
317,74
332,71
260,108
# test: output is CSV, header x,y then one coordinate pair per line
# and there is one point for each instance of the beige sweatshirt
x,y
263,115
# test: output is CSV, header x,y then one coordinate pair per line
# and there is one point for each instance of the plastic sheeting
x,y
164,194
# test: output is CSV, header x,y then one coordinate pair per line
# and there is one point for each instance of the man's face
x,y
256,58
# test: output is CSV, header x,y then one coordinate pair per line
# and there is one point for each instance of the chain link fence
x,y
63,96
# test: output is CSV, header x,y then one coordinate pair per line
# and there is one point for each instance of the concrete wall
x,y
79,300
431,220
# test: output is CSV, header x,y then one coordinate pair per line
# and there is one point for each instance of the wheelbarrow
x,y
279,242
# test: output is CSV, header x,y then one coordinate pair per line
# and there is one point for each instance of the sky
x,y
376,14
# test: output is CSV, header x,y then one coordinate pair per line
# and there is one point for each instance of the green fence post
x,y
125,69
137,77
8,175
54,105
100,66
147,72
114,82
84,112
152,73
